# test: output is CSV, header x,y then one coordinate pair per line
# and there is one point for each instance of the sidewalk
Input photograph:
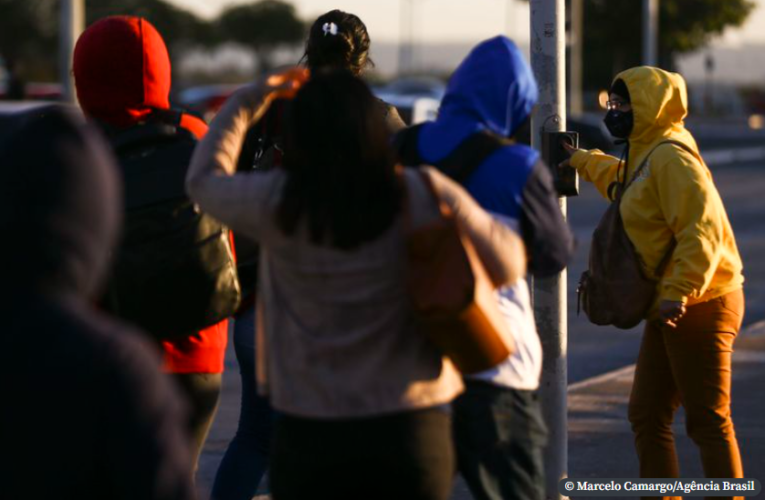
x,y
600,439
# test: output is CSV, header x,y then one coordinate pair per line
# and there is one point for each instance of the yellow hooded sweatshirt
x,y
674,196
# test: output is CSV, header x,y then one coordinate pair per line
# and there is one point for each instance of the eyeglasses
x,y
614,105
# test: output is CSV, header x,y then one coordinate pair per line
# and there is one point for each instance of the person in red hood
x,y
122,76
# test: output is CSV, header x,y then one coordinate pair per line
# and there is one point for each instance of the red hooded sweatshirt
x,y
122,74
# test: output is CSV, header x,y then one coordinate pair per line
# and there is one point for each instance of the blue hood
x,y
493,87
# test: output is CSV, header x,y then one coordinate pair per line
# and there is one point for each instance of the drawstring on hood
x,y
61,203
121,70
493,88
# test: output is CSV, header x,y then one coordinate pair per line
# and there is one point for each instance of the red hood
x,y
121,70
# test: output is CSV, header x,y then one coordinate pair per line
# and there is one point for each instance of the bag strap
x,y
140,135
664,262
648,156
617,187
461,162
443,209
428,181
405,144
155,178
470,154
162,125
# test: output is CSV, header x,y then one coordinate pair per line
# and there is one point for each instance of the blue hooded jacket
x,y
494,90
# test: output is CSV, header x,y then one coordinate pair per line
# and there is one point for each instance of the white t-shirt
x,y
522,369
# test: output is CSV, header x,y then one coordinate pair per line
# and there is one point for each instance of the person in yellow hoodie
x,y
673,209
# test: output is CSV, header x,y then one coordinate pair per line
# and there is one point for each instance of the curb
x,y
602,378
756,329
726,156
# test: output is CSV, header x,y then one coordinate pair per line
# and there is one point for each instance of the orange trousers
x,y
688,365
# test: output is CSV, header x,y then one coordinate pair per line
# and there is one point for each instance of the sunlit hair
x,y
344,45
341,178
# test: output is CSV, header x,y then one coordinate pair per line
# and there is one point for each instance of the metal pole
x,y
404,32
411,44
548,61
650,32
71,24
709,67
576,106
415,27
406,60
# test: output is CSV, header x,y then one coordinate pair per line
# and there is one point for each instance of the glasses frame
x,y
615,105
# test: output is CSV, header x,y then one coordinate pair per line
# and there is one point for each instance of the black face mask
x,y
619,123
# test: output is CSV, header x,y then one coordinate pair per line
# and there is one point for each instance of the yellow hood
x,y
659,104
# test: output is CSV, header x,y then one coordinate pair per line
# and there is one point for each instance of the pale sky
x,y
452,20
437,20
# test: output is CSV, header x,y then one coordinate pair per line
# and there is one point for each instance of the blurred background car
x,y
416,86
204,100
15,113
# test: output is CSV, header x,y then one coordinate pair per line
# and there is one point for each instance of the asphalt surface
x,y
601,442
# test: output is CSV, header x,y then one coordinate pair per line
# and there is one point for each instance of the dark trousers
x,y
406,456
500,437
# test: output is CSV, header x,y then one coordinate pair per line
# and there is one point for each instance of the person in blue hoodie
x,y
498,428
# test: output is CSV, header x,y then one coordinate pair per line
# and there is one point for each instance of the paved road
x,y
601,442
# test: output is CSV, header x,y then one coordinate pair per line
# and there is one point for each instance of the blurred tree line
x,y
29,28
613,31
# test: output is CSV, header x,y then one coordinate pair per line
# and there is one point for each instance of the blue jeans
x,y
246,459
500,437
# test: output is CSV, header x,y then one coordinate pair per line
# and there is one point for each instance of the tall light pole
x,y
576,37
408,27
405,34
71,24
709,69
650,32
548,61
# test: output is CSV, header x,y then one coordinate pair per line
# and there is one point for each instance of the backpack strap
x,y
142,135
405,144
461,162
470,154
154,157
273,130
664,262
162,126
648,156
263,136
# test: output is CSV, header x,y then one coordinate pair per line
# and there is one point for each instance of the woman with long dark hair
x,y
359,390
337,40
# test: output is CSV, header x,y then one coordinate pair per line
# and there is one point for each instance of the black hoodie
x,y
85,413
